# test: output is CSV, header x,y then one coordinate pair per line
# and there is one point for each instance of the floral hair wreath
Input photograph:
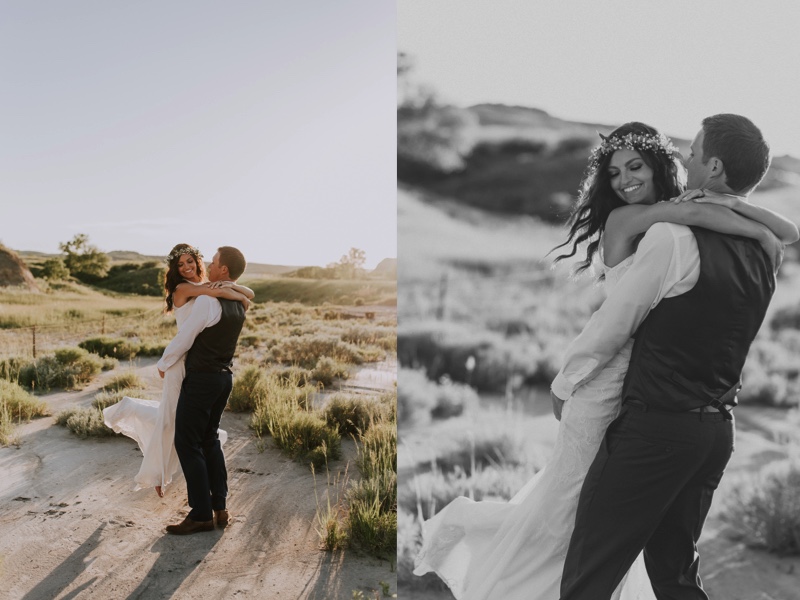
x,y
631,141
187,250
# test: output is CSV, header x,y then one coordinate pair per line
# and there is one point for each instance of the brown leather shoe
x,y
187,526
221,517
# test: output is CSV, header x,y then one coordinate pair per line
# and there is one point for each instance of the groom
x,y
695,300
210,335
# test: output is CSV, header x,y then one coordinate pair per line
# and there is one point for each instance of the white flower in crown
x,y
187,250
631,141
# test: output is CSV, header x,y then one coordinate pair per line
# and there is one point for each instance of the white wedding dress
x,y
152,423
516,550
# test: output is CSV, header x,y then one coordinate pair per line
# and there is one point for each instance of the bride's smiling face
x,y
631,178
187,267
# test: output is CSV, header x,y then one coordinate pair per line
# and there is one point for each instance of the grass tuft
x,y
84,422
766,508
351,414
68,368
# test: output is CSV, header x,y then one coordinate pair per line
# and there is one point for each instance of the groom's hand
x,y
558,405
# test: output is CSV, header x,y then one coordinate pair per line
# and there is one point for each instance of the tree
x,y
83,260
351,265
432,138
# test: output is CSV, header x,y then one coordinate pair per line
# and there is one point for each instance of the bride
x,y
152,423
516,550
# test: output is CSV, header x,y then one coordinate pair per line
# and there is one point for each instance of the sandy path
x,y
70,526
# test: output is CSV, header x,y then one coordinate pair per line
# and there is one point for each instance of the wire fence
x,y
454,295
35,340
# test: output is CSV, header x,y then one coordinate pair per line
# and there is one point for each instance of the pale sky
x,y
265,125
669,64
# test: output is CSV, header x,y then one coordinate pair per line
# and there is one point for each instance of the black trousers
x,y
201,402
650,487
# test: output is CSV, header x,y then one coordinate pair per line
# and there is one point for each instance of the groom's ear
x,y
716,167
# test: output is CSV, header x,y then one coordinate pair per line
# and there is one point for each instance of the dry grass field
x,y
70,524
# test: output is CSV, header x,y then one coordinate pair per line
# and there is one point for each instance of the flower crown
x,y
631,141
187,250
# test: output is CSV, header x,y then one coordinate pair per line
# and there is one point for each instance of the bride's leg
x,y
159,491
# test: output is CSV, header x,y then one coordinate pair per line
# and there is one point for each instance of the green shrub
x,y
249,386
151,348
20,404
108,398
306,350
282,413
298,375
131,278
330,518
766,508
306,436
7,436
433,490
67,368
383,487
415,397
109,364
353,415
119,348
419,399
371,528
378,450
129,380
10,367
84,422
54,269
451,399
327,370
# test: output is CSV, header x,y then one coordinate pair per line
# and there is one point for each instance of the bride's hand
x,y
688,195
558,405
773,247
708,197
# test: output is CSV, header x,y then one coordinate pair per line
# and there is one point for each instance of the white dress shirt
x,y
666,264
206,311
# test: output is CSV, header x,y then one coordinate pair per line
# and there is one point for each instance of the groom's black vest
x,y
213,348
691,348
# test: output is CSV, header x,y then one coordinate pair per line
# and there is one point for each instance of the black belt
x,y
724,409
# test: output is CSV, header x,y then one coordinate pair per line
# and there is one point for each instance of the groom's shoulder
x,y
205,302
668,237
668,233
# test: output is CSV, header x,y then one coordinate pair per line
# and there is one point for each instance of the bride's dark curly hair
x,y
173,278
596,198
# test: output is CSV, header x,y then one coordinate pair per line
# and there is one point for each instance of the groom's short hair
x,y
738,143
233,259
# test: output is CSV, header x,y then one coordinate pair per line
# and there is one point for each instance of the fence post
x,y
34,341
442,297
103,329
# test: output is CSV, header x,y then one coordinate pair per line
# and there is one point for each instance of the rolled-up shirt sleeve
x,y
656,268
206,311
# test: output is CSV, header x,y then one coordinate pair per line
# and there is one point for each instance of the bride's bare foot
x,y
159,491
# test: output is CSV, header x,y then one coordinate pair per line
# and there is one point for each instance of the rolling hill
x,y
516,160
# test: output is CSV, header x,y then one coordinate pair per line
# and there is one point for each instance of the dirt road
x,y
70,526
